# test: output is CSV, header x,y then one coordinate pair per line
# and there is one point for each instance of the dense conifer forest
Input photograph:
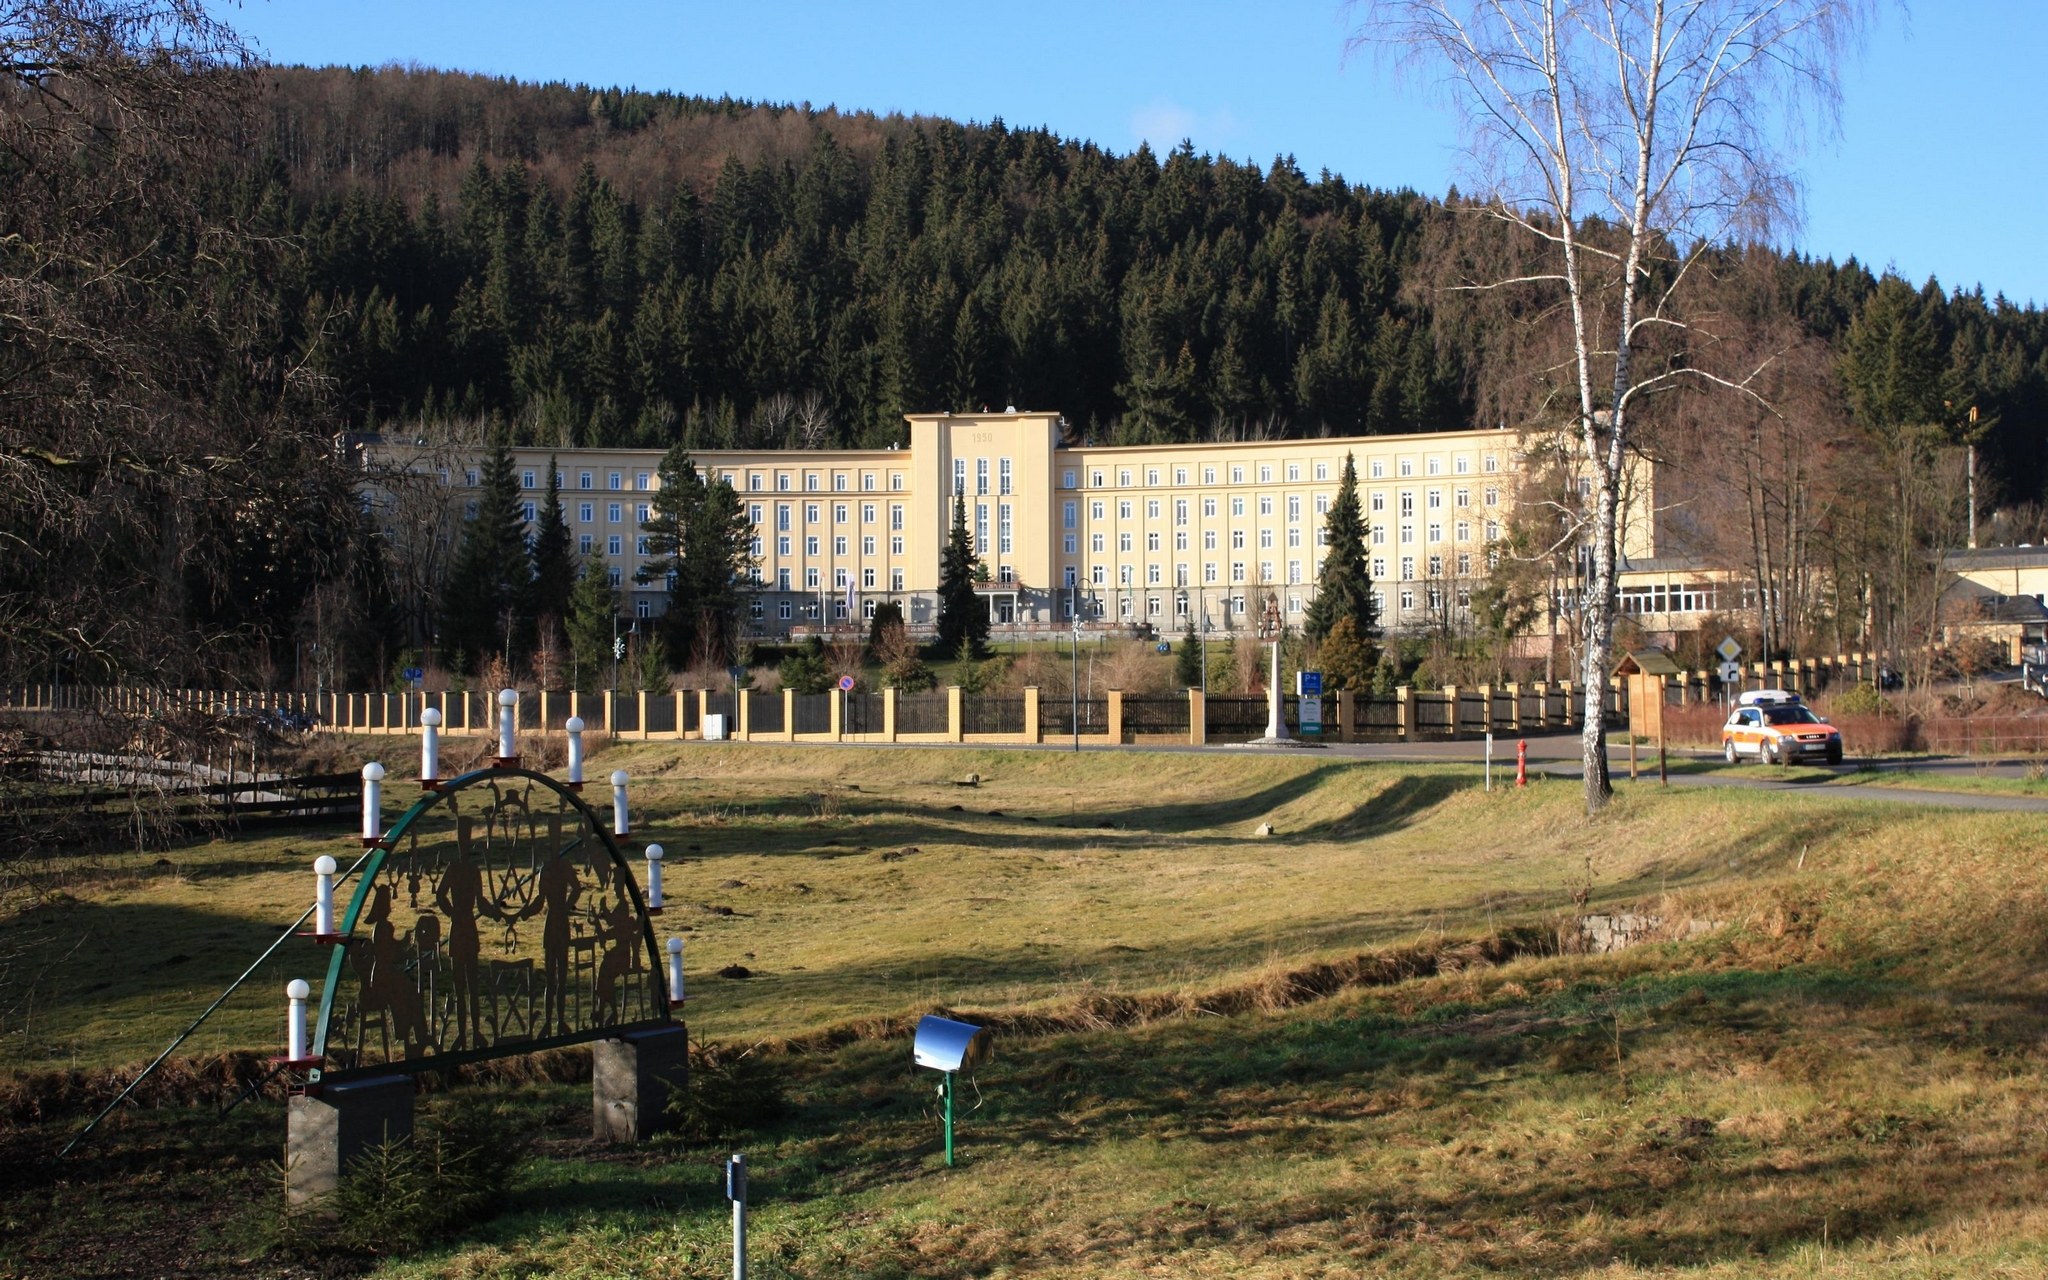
x,y
600,267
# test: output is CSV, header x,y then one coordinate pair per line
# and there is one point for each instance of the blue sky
x,y
1941,169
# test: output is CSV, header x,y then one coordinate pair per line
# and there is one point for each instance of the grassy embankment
x,y
1840,1079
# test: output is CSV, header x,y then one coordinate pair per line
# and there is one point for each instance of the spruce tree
x,y
718,565
484,609
674,510
1187,667
1344,587
963,618
554,567
591,620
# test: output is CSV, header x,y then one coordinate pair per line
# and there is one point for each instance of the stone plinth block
x,y
631,1080
327,1132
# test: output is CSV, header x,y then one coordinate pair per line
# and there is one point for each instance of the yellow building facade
x,y
1120,537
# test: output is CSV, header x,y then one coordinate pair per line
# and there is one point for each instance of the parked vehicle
x,y
1773,725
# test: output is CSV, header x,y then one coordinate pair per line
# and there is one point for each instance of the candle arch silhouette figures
x,y
497,916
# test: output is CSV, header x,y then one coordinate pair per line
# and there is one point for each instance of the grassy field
x,y
1348,1048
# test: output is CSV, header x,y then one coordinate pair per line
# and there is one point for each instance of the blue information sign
x,y
414,673
1311,684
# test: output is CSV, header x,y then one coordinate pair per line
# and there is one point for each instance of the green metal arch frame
x,y
375,866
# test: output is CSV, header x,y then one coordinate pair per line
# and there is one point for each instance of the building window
x,y
1069,543
782,583
839,545
839,482
811,545
1407,504
1208,475
1237,539
1237,506
867,545
981,528
639,546
642,512
895,579
1151,477
586,512
812,512
840,513
1265,505
1209,571
1488,464
1237,571
895,546
1407,532
754,513
1436,567
614,545
1237,475
1379,567
1151,542
1294,571
1180,510
782,609
1407,567
1407,597
1491,496
895,516
1379,534
1098,575
782,482
811,578
1265,473
867,579
1152,572
1180,475
1095,479
1294,508
1435,531
1208,539
867,482
981,475
1208,508
1464,530
782,511
1407,466
1379,468
1464,564
895,481
1123,542
782,544
812,482
754,482
1095,543
1435,466
585,544
1152,509
1070,515
1461,498
1003,529
754,548
959,475
1265,571
867,513
1123,477
1180,540
1067,478
1436,499
1461,464
1123,510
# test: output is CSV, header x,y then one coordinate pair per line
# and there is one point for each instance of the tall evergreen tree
x,y
592,621
674,510
963,618
718,563
554,566
1187,665
484,608
1344,587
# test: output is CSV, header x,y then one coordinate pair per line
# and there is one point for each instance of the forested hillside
x,y
601,267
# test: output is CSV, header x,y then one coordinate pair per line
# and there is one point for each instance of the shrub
x,y
730,1091
1862,700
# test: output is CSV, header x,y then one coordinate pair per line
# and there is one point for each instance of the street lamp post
x,y
1074,681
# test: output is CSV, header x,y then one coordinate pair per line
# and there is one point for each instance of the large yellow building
x,y
1122,536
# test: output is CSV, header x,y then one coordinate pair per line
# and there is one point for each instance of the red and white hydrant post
x,y
1522,763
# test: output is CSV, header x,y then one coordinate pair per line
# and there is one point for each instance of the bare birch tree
x,y
1624,138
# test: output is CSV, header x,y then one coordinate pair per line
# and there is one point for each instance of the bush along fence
x,y
950,714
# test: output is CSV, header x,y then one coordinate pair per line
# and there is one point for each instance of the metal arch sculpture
x,y
527,931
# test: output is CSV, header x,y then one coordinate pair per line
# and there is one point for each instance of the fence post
x,y
1450,692
1031,695
838,706
1198,718
1347,716
953,717
542,725
703,709
789,715
1116,717
1486,708
1573,712
889,696
1404,711
743,710
679,695
640,703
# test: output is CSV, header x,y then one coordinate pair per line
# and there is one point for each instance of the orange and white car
x,y
1773,725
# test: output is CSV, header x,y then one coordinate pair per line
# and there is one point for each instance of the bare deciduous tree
x,y
1623,138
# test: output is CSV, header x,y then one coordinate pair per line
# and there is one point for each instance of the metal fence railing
x,y
922,712
813,712
991,713
1165,715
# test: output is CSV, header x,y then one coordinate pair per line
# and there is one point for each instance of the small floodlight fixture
x,y
948,1047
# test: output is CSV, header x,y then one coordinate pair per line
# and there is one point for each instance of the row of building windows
x,y
1242,473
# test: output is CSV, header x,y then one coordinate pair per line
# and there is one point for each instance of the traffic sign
x,y
1728,649
1731,672
414,674
846,684
1308,684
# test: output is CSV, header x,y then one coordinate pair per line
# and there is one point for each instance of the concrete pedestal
x,y
631,1079
327,1132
